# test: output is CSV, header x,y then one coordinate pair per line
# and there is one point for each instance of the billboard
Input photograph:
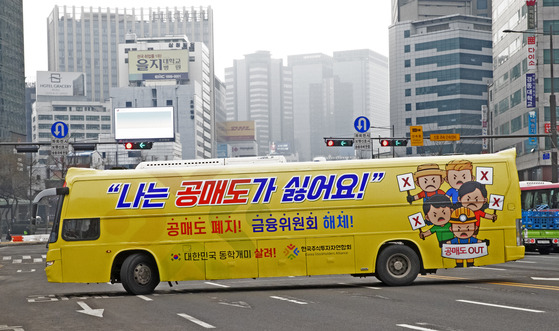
x,y
158,64
144,124
69,84
239,131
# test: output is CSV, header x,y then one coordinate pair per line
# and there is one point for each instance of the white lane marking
x,y
288,300
542,278
197,321
6,258
11,328
17,260
216,284
501,306
88,311
44,256
413,327
37,260
525,262
32,270
143,297
26,257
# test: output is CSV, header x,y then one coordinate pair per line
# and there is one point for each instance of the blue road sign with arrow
x,y
362,124
59,129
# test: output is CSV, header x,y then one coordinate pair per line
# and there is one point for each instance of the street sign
x,y
362,124
362,141
416,135
444,137
59,146
59,129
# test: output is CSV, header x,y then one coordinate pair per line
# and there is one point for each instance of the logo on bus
x,y
291,251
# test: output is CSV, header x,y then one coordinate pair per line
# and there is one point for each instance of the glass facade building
x,y
12,73
440,69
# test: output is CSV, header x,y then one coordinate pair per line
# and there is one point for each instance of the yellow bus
x,y
232,218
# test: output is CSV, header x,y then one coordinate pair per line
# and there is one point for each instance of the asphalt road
x,y
522,295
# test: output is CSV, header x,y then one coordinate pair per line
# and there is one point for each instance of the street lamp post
x,y
552,103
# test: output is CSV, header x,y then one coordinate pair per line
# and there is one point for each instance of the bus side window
x,y
80,229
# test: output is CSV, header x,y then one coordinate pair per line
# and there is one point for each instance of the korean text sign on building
x,y
158,64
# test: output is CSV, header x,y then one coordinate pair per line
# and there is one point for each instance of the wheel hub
x,y
142,274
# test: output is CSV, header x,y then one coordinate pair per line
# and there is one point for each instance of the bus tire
x,y
397,265
139,274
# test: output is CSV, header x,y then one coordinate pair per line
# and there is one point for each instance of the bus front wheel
x,y
139,274
397,265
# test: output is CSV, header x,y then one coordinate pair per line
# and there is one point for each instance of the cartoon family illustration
x,y
454,216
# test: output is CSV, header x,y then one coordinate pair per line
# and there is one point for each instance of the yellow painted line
x,y
441,277
526,285
541,287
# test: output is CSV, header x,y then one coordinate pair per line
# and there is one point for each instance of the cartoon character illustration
x,y
437,210
429,177
457,173
473,195
463,225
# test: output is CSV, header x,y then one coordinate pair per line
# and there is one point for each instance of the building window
x,y
128,104
407,78
550,3
408,106
408,121
406,48
407,63
408,92
169,102
516,124
407,33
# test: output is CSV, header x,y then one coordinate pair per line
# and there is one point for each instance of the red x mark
x,y
496,201
484,175
406,181
416,219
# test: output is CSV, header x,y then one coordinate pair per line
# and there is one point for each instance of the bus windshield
x,y
540,197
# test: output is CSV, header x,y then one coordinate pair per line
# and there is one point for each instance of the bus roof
x,y
211,162
537,185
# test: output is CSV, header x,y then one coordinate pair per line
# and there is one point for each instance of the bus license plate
x,y
543,242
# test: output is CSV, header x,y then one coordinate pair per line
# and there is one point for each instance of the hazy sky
x,y
283,27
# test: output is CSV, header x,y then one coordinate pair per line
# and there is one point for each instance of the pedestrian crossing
x,y
24,259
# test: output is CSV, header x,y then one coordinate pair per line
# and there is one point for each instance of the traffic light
x,y
83,147
400,142
393,142
138,145
27,148
386,142
339,142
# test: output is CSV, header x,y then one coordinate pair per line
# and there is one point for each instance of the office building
x,y
440,69
12,72
519,99
180,79
258,89
364,74
86,39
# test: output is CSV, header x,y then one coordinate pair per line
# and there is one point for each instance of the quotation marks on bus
x,y
291,251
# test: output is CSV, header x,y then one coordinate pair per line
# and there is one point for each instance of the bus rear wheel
x,y
397,265
139,274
